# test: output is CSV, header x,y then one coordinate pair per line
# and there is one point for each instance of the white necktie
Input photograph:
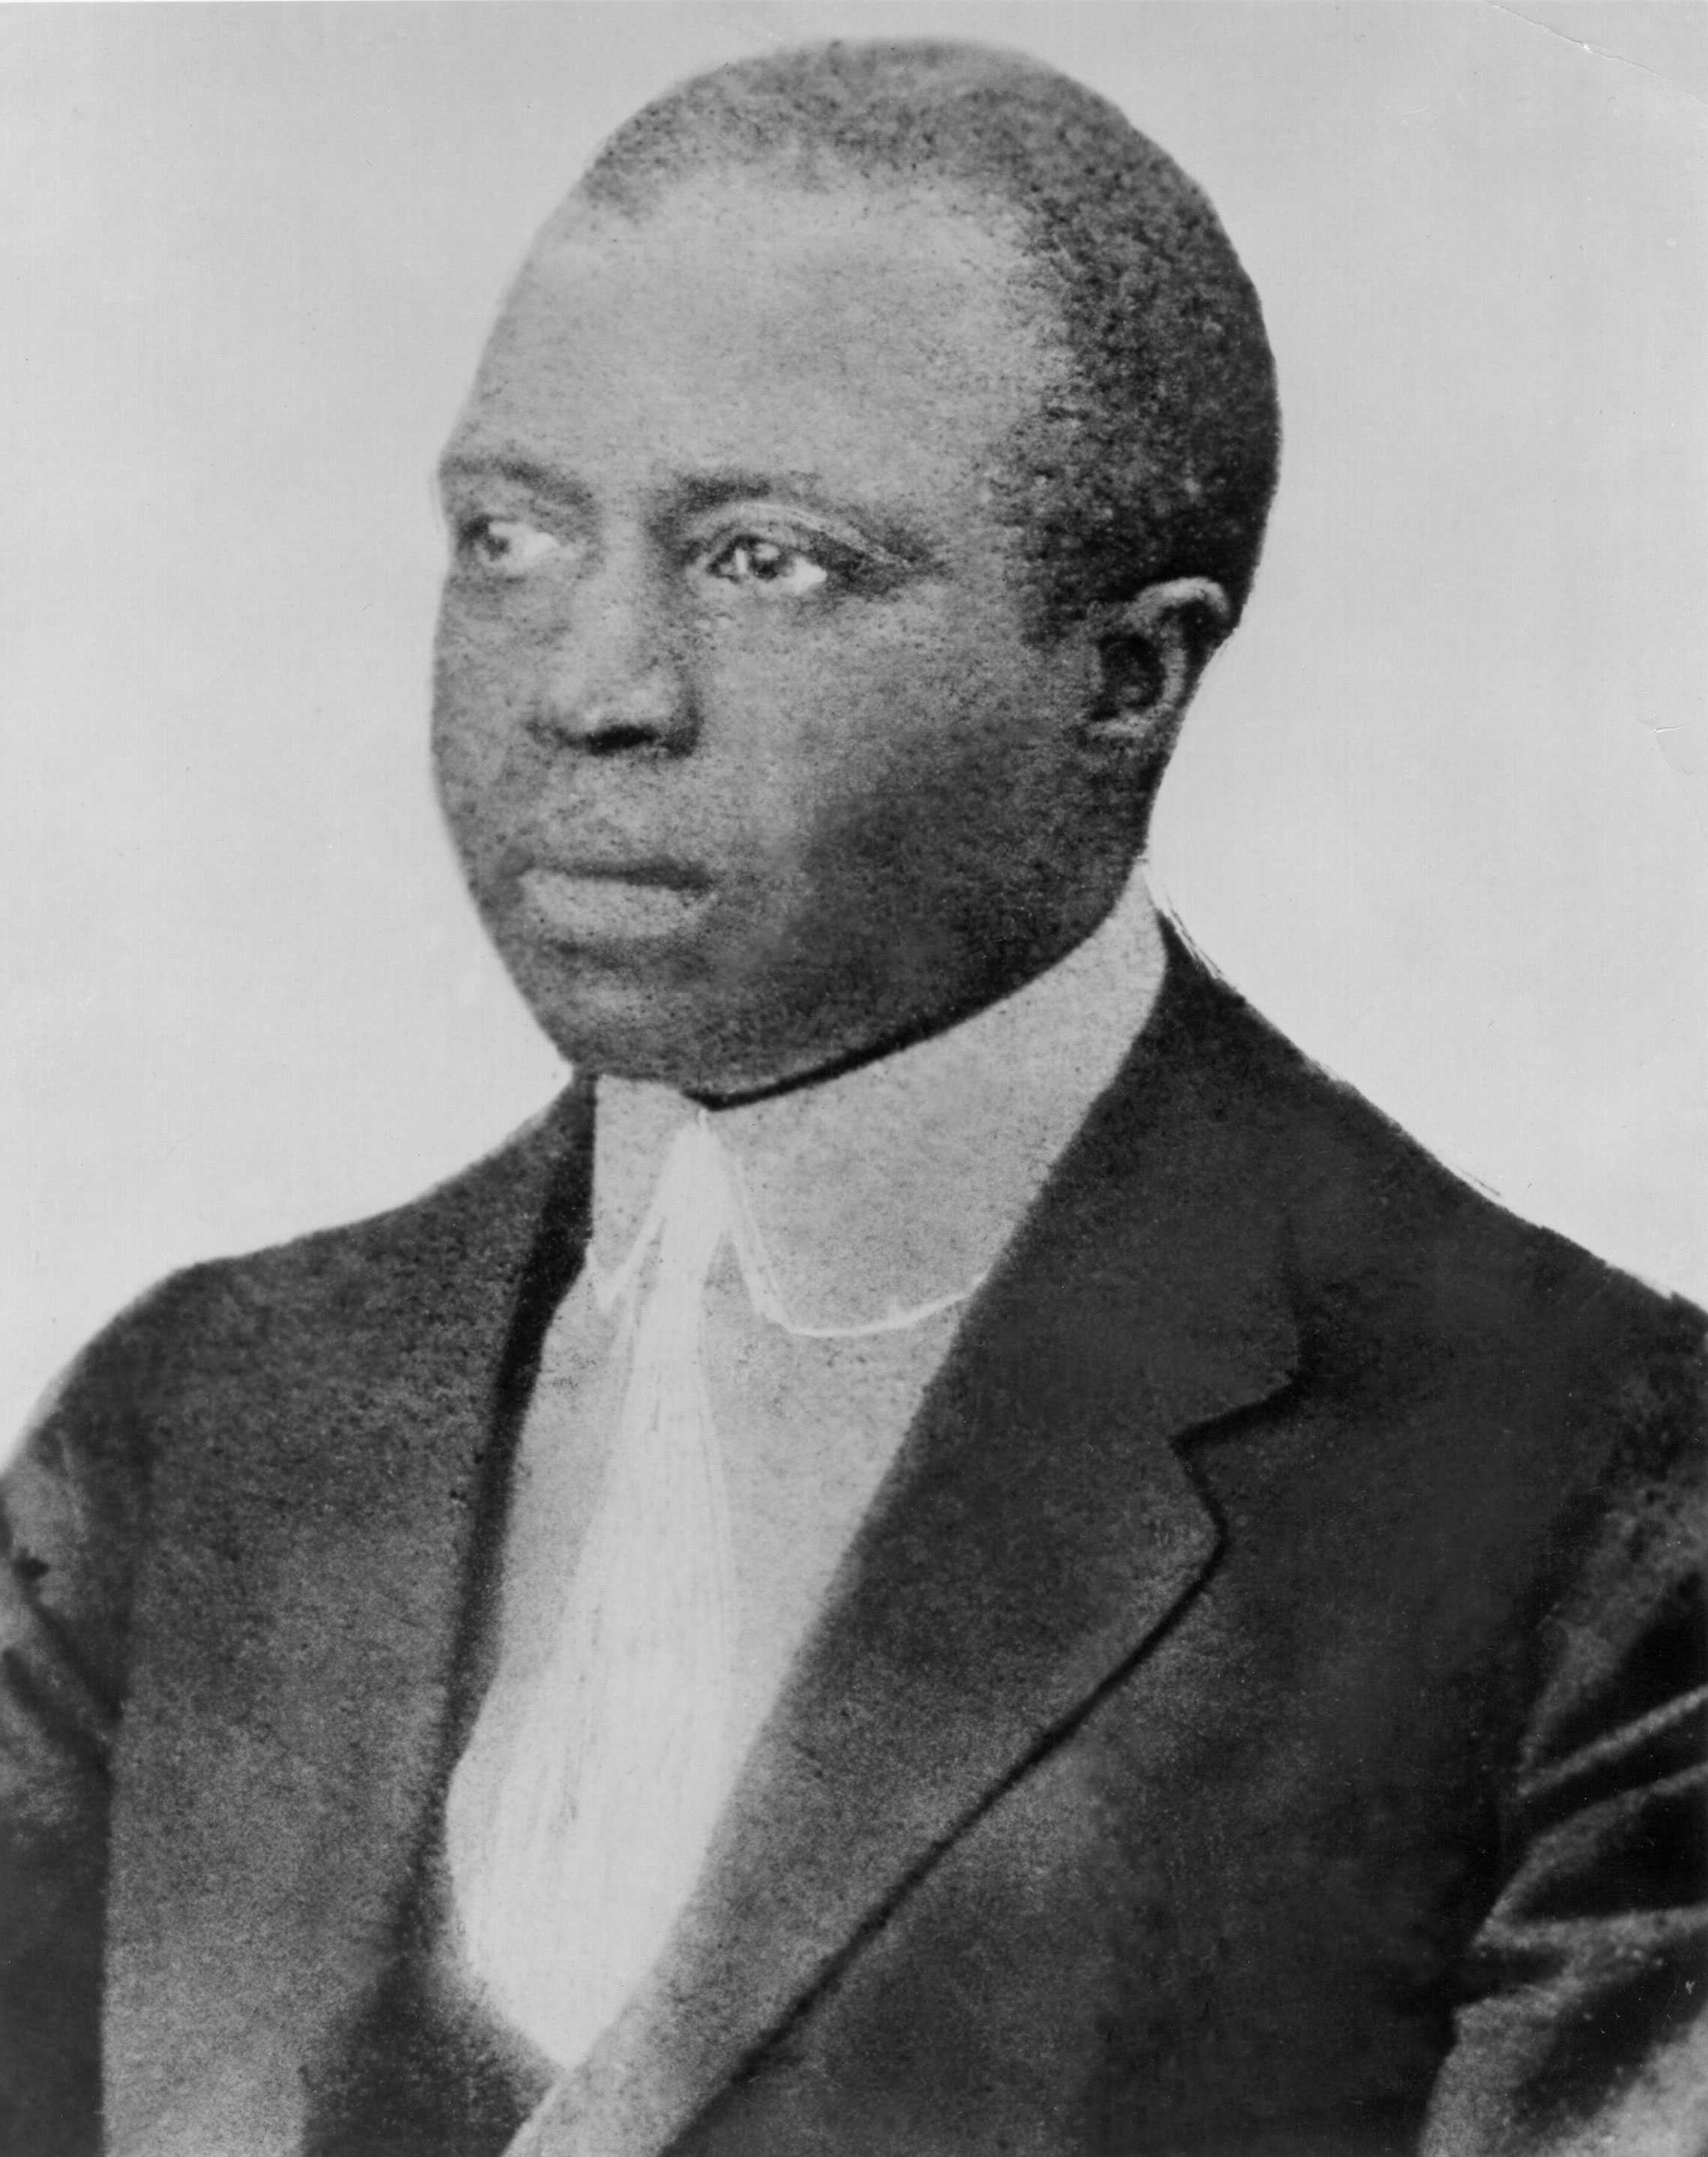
x,y
571,1862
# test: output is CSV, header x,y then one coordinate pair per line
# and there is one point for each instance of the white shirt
x,y
871,1208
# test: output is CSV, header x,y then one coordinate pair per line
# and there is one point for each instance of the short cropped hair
x,y
1157,456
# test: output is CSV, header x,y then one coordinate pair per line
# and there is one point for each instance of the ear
x,y
1149,653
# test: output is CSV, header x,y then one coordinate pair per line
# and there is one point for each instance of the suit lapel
x,y
1036,1533
318,1537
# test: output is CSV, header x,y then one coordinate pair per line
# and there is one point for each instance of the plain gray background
x,y
1442,809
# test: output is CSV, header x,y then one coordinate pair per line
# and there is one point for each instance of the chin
x,y
624,1037
646,1034
629,1030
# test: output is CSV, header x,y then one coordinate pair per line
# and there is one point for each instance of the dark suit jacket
x,y
1263,1710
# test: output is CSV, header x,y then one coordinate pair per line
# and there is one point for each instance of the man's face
x,y
751,762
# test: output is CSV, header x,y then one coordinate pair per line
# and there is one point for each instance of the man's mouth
x,y
612,902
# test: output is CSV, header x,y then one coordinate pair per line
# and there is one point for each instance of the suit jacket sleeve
x,y
1584,2029
71,1507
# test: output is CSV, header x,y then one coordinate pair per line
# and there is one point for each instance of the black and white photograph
x,y
857,1040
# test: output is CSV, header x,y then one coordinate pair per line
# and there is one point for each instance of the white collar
x,y
889,1191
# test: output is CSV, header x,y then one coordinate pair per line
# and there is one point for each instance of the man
x,y
957,1551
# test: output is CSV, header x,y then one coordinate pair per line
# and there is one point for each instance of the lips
x,y
601,869
603,902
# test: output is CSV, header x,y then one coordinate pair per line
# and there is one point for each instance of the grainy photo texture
x,y
957,1547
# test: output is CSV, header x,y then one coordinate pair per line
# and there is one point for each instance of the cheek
x,y
826,742
476,692
921,745
473,675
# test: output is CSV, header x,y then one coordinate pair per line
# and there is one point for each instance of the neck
x,y
900,1178
978,990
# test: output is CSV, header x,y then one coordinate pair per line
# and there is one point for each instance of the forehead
x,y
881,338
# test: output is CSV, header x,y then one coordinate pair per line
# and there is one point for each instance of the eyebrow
x,y
698,494
467,466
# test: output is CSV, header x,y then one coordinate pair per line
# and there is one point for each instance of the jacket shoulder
x,y
189,1326
1400,1268
385,1265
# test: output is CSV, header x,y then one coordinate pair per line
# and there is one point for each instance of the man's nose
x,y
612,676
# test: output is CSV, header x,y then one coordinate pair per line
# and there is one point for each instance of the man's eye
x,y
768,564
506,546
